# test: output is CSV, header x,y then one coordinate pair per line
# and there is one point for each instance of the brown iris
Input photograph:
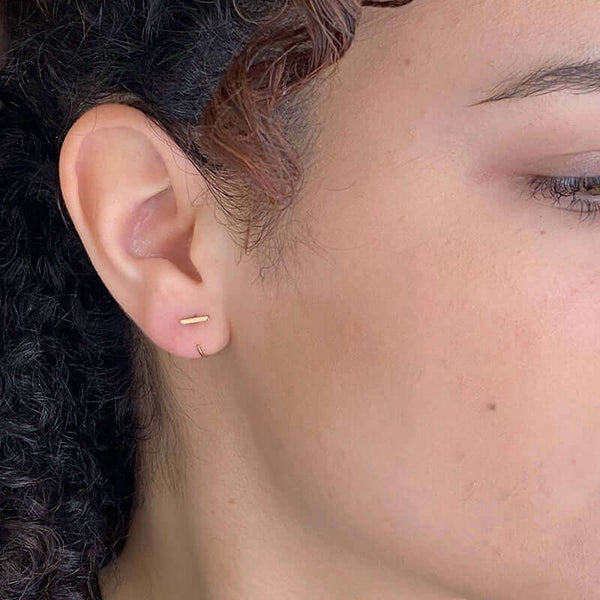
x,y
591,188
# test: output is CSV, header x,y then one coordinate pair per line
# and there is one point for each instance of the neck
x,y
228,530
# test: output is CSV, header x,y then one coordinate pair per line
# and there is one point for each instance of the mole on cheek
x,y
491,405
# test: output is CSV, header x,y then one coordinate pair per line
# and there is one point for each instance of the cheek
x,y
433,388
507,337
560,415
499,410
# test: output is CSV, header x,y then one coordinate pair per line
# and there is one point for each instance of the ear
x,y
130,191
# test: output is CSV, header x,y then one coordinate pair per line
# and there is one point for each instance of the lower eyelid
x,y
537,190
563,192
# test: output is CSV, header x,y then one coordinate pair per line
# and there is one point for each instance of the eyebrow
x,y
577,78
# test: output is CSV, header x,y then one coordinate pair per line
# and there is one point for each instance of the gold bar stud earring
x,y
195,320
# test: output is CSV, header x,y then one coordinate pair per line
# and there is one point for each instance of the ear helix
x,y
190,320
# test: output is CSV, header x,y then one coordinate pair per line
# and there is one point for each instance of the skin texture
x,y
411,412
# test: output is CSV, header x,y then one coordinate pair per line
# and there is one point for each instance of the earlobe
x,y
129,193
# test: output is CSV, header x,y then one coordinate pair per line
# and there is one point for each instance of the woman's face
x,y
425,383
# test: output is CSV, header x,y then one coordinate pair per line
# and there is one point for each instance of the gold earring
x,y
195,320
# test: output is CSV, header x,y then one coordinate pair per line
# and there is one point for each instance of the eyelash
x,y
557,188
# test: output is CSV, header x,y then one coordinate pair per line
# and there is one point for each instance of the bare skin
x,y
412,411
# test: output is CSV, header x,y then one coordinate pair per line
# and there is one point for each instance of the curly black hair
x,y
79,384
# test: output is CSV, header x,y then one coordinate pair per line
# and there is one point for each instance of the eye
x,y
583,193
